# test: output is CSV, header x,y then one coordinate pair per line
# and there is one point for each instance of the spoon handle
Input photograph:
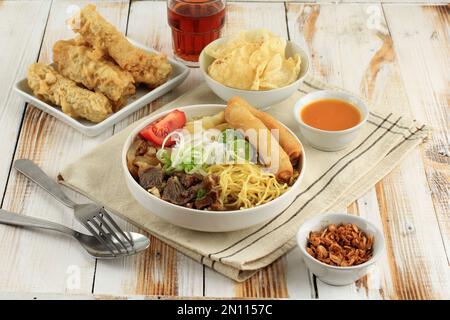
x,y
35,174
15,219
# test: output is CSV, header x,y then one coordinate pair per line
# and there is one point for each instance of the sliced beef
x,y
210,181
175,192
189,190
216,206
195,189
203,203
189,180
153,177
210,201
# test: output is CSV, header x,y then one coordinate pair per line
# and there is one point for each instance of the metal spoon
x,y
95,248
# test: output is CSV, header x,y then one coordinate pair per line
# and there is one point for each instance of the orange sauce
x,y
330,115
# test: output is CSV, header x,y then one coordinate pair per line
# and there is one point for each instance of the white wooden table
x,y
392,53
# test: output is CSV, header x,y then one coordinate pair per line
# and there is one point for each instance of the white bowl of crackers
x,y
340,248
256,65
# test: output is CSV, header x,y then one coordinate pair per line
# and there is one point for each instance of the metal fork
x,y
93,217
89,243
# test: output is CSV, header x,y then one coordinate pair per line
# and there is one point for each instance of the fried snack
x,y
239,117
208,122
286,140
342,245
119,104
253,60
151,69
96,52
80,64
49,85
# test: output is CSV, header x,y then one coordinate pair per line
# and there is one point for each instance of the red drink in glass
x,y
194,23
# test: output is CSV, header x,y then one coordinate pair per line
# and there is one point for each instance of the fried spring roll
x,y
286,140
96,52
151,69
81,64
49,85
239,117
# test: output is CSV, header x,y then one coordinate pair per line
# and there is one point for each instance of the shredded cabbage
x,y
193,153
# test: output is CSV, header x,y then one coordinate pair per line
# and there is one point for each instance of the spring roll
x,y
286,140
49,85
239,117
151,69
80,64
96,52
207,122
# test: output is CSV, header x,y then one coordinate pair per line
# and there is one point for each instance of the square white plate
x,y
142,97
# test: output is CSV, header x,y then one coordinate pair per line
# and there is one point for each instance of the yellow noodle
x,y
246,185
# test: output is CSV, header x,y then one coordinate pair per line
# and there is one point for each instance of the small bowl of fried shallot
x,y
339,248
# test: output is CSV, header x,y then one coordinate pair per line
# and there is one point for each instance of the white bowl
x,y
330,140
201,220
257,98
339,275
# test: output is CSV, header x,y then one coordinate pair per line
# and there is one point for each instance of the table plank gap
x,y
51,144
373,41
333,36
345,41
161,270
12,109
422,42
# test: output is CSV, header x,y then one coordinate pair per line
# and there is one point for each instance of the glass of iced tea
x,y
194,24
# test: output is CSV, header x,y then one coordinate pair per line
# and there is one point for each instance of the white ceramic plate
x,y
203,220
142,97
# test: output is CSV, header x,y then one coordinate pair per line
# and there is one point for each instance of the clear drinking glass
x,y
194,24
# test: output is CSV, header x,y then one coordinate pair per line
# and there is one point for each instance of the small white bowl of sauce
x,y
330,120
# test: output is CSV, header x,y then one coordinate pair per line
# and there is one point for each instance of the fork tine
x,y
116,226
106,238
105,224
99,238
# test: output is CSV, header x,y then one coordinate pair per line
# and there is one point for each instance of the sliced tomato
x,y
158,130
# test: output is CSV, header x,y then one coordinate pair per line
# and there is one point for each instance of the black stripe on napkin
x,y
307,189
315,195
399,126
392,131
407,138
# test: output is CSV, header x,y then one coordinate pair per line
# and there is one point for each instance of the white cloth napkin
x,y
332,180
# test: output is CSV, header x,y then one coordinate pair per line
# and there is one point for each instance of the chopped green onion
x,y
201,193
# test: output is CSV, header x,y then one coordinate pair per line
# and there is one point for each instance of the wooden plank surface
x,y
341,48
421,39
160,270
340,1
18,51
421,225
34,260
271,281
366,48
351,49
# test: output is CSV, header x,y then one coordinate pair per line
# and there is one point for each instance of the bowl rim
x,y
337,95
253,210
296,82
374,258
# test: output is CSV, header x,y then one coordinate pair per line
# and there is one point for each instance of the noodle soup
x,y
226,161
